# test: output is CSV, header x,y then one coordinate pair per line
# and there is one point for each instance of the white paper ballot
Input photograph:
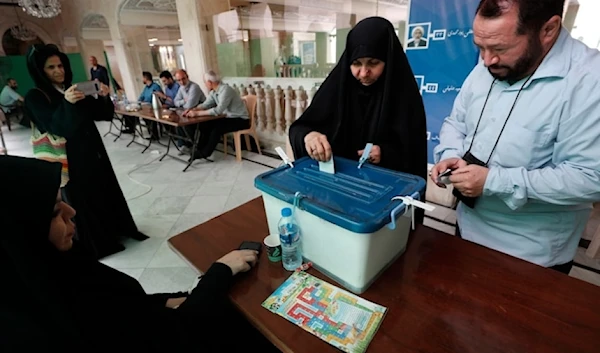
x,y
327,167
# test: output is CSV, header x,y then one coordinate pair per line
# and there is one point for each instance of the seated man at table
x,y
149,88
146,97
189,95
171,89
222,100
10,101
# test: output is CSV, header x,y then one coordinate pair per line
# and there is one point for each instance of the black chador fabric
x,y
93,190
389,113
54,301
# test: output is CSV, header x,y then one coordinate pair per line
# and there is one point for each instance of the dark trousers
x,y
211,132
181,131
153,129
129,122
564,268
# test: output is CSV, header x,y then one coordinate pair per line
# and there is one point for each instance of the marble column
x,y
198,35
133,55
344,23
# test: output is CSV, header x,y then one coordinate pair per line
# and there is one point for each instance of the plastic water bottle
x,y
289,235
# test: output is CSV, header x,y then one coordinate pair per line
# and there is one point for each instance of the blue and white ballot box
x,y
351,229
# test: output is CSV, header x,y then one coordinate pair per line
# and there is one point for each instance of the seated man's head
x,y
166,78
211,80
182,77
12,83
147,78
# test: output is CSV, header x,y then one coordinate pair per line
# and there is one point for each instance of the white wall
x,y
587,27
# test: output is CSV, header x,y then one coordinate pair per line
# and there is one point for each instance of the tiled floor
x,y
165,202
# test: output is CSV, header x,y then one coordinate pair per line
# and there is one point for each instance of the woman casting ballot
x,y
370,97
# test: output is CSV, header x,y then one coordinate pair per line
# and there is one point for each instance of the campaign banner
x,y
439,46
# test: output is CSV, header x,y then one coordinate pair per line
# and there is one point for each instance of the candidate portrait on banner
x,y
419,36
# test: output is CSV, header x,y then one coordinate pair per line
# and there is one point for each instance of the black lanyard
x,y
505,121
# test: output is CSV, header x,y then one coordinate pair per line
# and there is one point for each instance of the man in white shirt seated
x,y
222,100
10,100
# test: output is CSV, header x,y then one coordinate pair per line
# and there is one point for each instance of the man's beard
x,y
523,65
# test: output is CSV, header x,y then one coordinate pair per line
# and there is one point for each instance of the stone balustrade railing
x,y
303,71
280,102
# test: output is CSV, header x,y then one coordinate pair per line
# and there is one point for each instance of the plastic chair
x,y
250,101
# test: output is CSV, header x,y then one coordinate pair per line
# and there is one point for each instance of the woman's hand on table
x,y
72,95
174,303
374,156
240,260
317,146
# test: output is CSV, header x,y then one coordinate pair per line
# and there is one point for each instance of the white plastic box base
x,y
352,259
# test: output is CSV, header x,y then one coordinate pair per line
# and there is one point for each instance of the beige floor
x,y
164,202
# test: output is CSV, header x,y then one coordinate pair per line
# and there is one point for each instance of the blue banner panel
x,y
440,49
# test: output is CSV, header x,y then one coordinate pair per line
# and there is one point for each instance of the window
x,y
293,38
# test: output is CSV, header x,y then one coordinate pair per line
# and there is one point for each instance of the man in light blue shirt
x,y
11,103
171,89
146,97
9,98
530,113
149,88
189,94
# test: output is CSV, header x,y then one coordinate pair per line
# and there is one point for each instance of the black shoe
x,y
109,250
197,155
139,236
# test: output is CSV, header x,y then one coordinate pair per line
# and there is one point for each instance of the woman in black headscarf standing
x,y
57,107
370,97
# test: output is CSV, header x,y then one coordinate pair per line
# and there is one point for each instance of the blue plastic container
x,y
351,228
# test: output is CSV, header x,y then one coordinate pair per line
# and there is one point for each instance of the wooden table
x,y
171,120
444,295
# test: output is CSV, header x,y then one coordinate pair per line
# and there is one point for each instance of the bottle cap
x,y
286,212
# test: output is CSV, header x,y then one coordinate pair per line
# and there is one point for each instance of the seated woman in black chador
x,y
55,298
